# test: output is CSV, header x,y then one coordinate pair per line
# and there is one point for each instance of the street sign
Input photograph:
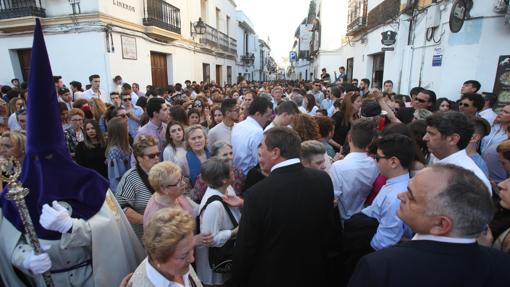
x,y
388,38
293,56
437,57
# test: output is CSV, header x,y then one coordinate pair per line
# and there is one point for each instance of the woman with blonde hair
x,y
195,141
118,151
134,190
97,108
168,241
12,145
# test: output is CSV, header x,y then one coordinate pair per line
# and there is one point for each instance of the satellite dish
x,y
457,15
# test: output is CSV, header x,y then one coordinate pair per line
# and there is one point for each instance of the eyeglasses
x,y
122,116
421,100
126,99
179,182
197,105
152,155
378,157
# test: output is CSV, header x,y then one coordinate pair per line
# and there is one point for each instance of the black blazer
x,y
289,234
433,264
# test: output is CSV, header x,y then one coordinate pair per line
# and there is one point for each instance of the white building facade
x,y
425,51
150,42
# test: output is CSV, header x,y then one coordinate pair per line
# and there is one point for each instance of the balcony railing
x,y
21,8
218,40
248,59
163,15
356,25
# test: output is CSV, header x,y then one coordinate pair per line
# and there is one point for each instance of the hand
x,y
234,232
486,238
338,156
56,218
204,239
125,282
376,93
37,264
233,200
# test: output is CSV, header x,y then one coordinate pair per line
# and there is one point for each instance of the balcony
x,y
248,59
356,25
21,8
160,14
218,40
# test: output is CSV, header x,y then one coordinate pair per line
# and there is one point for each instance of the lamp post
x,y
198,28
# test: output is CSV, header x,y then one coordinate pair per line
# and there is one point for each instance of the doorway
x,y
24,56
159,70
218,75
206,72
377,70
349,69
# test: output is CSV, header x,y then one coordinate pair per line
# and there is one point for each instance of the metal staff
x,y
10,173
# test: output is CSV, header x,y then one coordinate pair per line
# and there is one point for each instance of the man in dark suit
x,y
447,207
289,234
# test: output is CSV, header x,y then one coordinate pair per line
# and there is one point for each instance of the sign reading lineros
x,y
123,5
502,83
388,38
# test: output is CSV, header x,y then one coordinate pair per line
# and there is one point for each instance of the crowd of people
x,y
322,183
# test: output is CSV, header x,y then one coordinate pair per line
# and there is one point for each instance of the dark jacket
x,y
289,234
429,263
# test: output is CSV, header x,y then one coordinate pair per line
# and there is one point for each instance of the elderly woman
x,y
168,240
134,190
74,134
195,140
215,218
221,150
167,180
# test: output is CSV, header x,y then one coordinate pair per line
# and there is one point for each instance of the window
x,y
206,72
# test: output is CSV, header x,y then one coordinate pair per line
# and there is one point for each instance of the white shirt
x,y
89,94
285,163
497,135
219,132
353,178
246,138
444,239
159,280
216,221
489,115
461,159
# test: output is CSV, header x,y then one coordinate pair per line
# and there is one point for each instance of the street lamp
x,y
198,28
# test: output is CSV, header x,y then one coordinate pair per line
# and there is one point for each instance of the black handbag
x,y
220,258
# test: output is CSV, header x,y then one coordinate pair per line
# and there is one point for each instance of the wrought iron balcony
x,y
248,59
21,8
163,15
356,25
218,40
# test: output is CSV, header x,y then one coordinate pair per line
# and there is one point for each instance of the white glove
x,y
37,264
55,218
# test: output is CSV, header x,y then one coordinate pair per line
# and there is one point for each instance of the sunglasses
x,y
126,99
421,100
466,105
152,155
122,116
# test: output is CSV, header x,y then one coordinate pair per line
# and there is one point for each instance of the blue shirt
x,y
477,158
384,209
